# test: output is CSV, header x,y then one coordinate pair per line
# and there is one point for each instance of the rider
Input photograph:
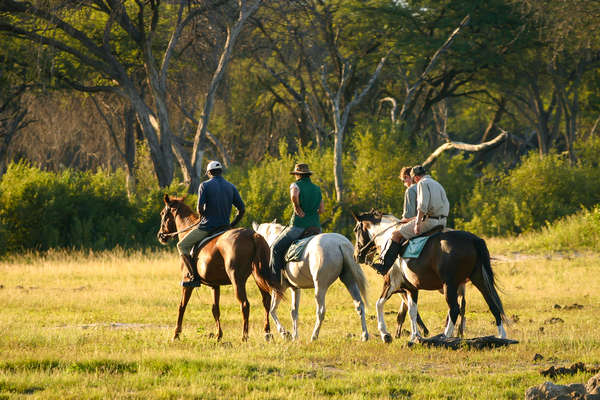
x,y
215,199
308,204
432,210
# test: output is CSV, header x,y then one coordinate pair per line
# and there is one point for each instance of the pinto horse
x,y
448,260
327,257
227,259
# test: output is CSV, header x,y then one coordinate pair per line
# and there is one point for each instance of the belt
x,y
438,217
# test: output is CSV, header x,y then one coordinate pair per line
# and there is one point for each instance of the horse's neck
x,y
183,222
382,232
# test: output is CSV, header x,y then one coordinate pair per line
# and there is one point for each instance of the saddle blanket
x,y
415,246
296,250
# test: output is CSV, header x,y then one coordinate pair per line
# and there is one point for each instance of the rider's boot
x,y
194,281
388,260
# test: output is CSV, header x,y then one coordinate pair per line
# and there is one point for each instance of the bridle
x,y
371,242
169,210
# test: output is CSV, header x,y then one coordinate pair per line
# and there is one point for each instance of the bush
x,y
536,193
41,210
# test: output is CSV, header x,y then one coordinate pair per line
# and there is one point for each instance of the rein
x,y
378,234
183,230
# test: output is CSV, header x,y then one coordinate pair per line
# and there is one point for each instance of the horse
x,y
366,254
448,260
227,259
327,257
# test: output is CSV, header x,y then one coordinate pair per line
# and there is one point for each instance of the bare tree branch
x,y
465,147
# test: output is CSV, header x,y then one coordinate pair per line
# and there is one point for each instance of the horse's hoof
x,y
268,336
286,335
364,337
313,338
387,338
211,335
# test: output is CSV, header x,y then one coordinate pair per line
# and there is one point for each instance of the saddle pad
x,y
296,250
415,246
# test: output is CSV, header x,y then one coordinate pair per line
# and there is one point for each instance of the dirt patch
x,y
573,306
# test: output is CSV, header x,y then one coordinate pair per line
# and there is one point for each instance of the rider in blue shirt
x,y
216,197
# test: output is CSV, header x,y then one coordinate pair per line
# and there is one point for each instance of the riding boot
x,y
192,272
389,258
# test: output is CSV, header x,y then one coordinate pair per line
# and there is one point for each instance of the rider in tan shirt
x,y
432,210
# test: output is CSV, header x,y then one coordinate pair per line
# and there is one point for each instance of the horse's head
x,y
173,206
364,245
269,230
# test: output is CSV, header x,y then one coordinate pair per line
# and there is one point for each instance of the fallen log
x,y
454,343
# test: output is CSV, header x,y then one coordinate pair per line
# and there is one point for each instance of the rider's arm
x,y
239,204
295,197
321,207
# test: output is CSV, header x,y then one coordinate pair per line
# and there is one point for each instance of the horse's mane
x,y
183,209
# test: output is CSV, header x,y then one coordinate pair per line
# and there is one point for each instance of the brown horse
x,y
227,259
448,260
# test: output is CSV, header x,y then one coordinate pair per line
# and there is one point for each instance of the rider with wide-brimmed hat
x,y
216,196
307,201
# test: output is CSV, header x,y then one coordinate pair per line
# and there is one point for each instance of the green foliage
x,y
265,186
41,210
536,193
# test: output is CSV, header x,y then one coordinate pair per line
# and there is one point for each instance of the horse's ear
x,y
254,226
274,221
166,199
354,215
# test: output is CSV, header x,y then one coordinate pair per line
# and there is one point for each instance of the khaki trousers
x,y
186,244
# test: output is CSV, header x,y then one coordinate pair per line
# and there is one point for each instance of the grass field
x,y
99,326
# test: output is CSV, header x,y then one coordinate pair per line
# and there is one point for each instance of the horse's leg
x,y
216,312
239,288
275,300
413,312
401,316
359,305
320,300
450,292
266,300
185,297
385,295
463,303
480,283
294,312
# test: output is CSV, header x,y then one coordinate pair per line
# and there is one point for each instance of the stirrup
x,y
191,283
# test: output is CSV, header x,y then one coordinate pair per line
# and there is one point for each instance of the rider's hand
x,y
417,228
299,212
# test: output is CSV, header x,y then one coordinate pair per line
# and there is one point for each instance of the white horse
x,y
327,256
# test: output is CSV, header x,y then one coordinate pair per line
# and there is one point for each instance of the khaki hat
x,y
301,169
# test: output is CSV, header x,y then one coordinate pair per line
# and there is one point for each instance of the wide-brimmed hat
x,y
301,169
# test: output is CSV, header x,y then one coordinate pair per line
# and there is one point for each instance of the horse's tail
x,y
260,267
488,275
357,272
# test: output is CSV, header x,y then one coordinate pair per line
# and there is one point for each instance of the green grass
x,y
83,325
575,233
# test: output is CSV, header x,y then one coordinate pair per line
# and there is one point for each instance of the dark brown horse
x,y
448,260
227,259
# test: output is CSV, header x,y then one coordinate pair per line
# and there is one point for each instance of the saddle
x,y
296,249
213,233
431,232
